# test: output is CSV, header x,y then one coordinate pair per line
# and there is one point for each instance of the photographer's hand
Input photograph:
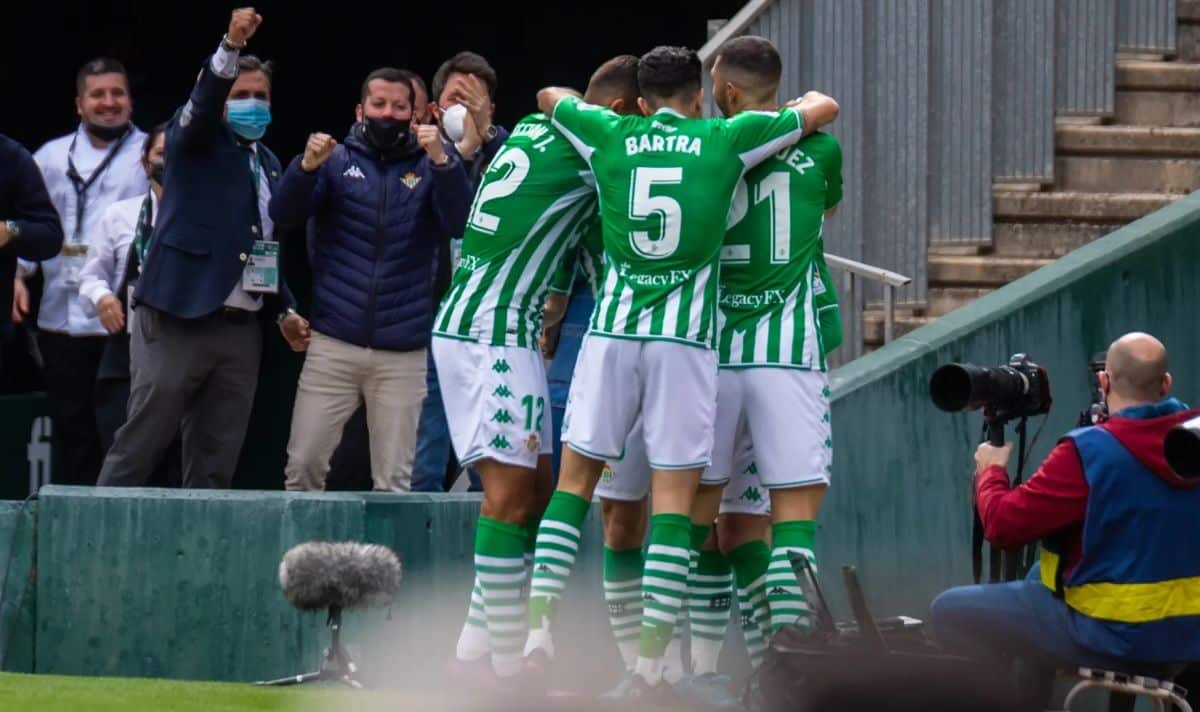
x,y
987,455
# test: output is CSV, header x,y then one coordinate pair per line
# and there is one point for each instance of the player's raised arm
x,y
816,109
549,97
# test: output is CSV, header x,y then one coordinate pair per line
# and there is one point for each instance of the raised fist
x,y
430,138
317,151
242,25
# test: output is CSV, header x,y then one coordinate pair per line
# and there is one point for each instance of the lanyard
x,y
145,226
81,186
256,176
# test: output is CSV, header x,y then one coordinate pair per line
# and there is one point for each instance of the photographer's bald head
x,y
1135,372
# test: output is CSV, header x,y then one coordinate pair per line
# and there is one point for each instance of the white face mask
x,y
453,122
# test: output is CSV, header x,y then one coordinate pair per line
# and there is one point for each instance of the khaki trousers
x,y
337,377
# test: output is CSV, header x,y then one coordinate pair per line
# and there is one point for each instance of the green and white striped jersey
x,y
534,203
587,259
665,184
774,281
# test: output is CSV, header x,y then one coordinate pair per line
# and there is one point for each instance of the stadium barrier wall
x,y
183,584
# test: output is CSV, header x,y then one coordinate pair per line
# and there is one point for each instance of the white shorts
x,y
786,413
627,479
744,493
496,399
672,386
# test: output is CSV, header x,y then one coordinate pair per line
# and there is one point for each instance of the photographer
x,y
1116,587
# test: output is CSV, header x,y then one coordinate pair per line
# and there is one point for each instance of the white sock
x,y
650,670
473,641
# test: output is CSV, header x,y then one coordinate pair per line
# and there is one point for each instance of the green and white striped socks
x,y
553,558
749,563
623,594
500,570
710,596
473,641
784,596
664,585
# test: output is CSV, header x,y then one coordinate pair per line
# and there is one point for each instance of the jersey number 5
x,y
510,157
643,206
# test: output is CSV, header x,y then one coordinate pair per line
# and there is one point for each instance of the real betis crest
x,y
410,180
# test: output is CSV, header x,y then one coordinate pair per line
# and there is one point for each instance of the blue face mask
x,y
248,117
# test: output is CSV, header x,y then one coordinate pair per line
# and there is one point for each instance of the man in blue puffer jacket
x,y
381,202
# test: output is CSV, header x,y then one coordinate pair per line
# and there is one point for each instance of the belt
x,y
234,315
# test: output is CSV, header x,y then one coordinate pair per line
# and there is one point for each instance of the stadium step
x,y
1120,208
1151,93
979,270
1048,239
945,299
1113,159
873,326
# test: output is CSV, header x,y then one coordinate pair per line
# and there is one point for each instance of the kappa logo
x,y
502,391
501,366
501,443
502,416
777,591
649,597
543,569
410,180
751,470
752,495
354,172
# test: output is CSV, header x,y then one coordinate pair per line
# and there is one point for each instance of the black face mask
x,y
386,134
107,133
156,171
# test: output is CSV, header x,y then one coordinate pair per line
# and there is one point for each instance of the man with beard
x,y
381,202
85,171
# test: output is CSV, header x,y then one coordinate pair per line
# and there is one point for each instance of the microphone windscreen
x,y
319,574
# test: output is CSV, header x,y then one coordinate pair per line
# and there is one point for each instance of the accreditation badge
x,y
72,257
261,274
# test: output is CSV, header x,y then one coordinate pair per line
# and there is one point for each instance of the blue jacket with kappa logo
x,y
378,222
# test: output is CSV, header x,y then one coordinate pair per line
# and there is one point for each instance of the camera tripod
x,y
337,666
1003,564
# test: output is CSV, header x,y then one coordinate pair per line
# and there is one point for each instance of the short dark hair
x,y
416,80
96,67
251,63
754,60
388,74
464,63
616,78
669,72
152,136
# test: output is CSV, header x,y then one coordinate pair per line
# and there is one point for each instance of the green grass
x,y
55,693
75,694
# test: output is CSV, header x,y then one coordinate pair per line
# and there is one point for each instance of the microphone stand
x,y
337,666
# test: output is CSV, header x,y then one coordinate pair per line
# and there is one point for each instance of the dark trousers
x,y
112,399
196,377
70,364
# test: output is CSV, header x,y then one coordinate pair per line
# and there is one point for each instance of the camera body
x,y
1017,389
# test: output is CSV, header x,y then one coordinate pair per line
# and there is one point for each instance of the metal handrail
x,y
736,26
890,281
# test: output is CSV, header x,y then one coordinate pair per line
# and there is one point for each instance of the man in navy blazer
x,y
211,269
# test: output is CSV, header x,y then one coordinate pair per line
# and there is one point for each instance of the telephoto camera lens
x,y
1182,448
965,386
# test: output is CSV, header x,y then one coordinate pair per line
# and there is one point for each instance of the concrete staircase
x,y
1107,174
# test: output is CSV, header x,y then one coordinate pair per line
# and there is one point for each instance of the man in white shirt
x,y
85,172
108,276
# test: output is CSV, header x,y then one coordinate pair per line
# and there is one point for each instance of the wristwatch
x,y
491,133
284,314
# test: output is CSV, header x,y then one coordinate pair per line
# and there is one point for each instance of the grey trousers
x,y
195,377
